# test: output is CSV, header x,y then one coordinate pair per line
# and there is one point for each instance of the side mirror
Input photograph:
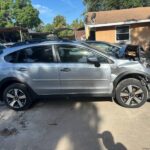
x,y
93,60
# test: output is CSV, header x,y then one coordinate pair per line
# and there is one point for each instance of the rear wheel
x,y
16,97
131,93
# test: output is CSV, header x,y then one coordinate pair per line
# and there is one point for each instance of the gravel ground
x,y
94,124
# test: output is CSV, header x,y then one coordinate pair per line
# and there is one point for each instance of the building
x,y
9,36
130,26
80,34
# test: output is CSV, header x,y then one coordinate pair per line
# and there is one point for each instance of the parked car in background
x,y
105,47
123,51
49,68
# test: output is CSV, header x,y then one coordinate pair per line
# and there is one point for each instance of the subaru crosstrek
x,y
66,68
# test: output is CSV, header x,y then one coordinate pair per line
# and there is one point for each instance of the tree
x,y
77,24
59,22
19,4
49,28
25,15
100,5
18,13
6,13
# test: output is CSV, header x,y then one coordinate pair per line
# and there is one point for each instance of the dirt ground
x,y
75,124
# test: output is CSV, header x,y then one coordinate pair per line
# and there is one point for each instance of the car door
x,y
37,67
77,75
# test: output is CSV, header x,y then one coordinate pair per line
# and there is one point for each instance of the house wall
x,y
80,35
139,34
105,34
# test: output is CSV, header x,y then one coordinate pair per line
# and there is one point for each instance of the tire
x,y
16,97
131,93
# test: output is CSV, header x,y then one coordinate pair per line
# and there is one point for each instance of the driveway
x,y
75,125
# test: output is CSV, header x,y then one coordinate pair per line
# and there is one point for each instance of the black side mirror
x,y
93,60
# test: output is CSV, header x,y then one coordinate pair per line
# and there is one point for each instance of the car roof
x,y
9,50
26,45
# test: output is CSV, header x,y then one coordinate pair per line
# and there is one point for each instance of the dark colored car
x,y
107,48
128,51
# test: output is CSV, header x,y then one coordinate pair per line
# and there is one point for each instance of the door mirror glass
x,y
93,60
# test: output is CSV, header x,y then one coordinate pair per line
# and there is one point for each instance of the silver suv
x,y
67,68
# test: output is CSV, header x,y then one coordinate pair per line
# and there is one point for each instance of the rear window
x,y
38,54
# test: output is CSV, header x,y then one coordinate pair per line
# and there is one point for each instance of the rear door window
x,y
39,54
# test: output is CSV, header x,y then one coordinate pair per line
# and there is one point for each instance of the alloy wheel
x,y
16,98
132,95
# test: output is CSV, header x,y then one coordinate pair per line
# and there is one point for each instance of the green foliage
x,y
100,5
18,13
49,28
27,17
77,24
59,22
19,4
6,13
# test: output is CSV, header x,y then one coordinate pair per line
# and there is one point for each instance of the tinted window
x,y
41,54
75,54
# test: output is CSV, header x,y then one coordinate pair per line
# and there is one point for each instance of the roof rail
x,y
34,41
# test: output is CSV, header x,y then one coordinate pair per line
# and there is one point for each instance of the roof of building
x,y
132,15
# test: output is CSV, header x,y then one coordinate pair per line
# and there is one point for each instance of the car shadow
x,y
82,129
55,99
59,123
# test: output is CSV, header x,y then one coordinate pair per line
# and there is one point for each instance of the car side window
x,y
73,54
39,54
76,54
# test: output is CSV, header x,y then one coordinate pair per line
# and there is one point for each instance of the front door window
x,y
73,54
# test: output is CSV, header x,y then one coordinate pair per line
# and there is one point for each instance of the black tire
x,y
18,104
129,99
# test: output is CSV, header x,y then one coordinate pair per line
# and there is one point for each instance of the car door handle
x,y
22,69
65,69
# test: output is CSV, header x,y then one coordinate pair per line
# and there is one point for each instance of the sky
x,y
70,9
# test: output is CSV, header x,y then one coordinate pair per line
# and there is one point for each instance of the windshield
x,y
106,49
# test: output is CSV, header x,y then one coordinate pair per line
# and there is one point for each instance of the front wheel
x,y
16,97
131,93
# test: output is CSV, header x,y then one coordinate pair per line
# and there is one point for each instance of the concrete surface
x,y
75,125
